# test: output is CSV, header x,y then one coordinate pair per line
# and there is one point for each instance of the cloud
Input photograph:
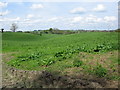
x,y
30,21
3,4
77,19
4,13
56,19
20,3
36,6
100,8
25,20
93,19
30,16
17,19
36,21
10,19
110,18
87,19
52,19
79,10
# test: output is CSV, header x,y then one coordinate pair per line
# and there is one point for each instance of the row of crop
x,y
46,59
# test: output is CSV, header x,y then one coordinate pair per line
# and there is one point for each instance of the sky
x,y
31,16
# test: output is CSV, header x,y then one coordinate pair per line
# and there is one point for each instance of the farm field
x,y
85,53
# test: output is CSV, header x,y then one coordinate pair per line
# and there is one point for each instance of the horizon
x,y
61,29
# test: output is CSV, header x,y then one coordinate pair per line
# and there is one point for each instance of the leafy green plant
x,y
32,56
100,71
77,63
118,61
47,61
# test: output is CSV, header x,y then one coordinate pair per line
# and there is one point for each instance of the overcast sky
x,y
61,15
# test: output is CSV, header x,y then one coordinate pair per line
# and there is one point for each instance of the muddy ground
x,y
13,78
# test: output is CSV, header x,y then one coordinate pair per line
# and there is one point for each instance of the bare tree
x,y
14,27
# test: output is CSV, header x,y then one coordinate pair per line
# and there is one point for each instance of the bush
x,y
77,63
100,71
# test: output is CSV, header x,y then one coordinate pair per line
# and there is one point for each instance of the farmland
x,y
89,53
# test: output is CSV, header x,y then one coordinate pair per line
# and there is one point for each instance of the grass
x,y
55,52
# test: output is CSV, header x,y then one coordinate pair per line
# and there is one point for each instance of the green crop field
x,y
95,53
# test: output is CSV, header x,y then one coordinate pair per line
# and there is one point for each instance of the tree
x,y
51,30
55,29
2,30
14,27
40,33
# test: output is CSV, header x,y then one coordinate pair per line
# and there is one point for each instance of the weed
x,y
100,71
77,63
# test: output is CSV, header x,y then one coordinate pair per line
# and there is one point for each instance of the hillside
x,y
86,53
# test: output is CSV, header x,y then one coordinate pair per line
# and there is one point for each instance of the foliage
x,y
2,30
77,63
100,71
53,48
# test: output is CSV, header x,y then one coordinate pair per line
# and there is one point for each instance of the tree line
x,y
14,27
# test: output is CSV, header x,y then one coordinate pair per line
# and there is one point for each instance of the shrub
x,y
77,63
40,33
100,71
